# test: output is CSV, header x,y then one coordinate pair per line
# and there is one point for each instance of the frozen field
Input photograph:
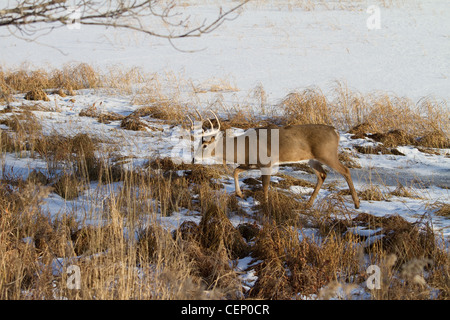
x,y
278,45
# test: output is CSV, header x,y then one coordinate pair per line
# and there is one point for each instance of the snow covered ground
x,y
426,174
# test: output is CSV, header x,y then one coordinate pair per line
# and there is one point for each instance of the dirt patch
x,y
249,231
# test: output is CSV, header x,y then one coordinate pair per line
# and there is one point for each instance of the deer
x,y
265,147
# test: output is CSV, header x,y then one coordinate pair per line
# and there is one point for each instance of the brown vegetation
x,y
197,258
36,94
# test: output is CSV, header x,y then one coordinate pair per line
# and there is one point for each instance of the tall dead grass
x,y
128,254
70,77
390,119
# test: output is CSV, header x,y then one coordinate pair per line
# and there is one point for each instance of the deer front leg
x,y
266,173
236,181
321,176
265,183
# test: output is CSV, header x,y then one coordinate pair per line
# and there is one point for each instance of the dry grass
x,y
195,261
174,267
405,192
101,115
75,77
36,94
292,266
372,193
308,106
440,208
378,149
133,123
70,77
388,119
406,240
214,85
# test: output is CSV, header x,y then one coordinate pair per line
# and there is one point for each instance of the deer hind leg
x,y
345,172
236,181
321,176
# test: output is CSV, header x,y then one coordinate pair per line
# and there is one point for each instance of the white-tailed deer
x,y
263,148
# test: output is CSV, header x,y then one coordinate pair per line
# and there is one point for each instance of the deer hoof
x,y
240,195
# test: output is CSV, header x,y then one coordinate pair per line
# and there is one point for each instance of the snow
x,y
283,50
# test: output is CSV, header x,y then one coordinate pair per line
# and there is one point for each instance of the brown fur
x,y
314,142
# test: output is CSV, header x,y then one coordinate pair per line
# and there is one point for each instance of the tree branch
x,y
29,16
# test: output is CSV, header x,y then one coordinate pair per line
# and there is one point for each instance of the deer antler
x,y
213,130
192,122
217,119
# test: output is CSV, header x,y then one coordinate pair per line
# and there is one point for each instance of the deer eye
x,y
204,146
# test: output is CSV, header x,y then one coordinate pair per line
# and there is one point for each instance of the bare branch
x,y
158,18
